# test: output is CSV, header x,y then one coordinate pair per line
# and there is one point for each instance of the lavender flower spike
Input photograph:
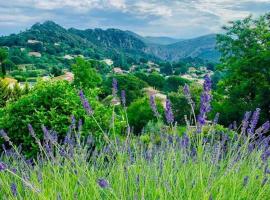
x,y
168,112
205,101
254,121
31,131
103,183
123,97
154,106
85,104
2,166
4,135
13,188
114,87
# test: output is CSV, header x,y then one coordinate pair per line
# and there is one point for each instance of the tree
x,y
84,75
8,65
3,57
172,83
155,80
246,63
140,113
180,104
130,83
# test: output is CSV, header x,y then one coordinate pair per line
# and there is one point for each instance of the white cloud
x,y
183,18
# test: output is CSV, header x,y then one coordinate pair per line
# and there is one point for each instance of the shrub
x,y
50,104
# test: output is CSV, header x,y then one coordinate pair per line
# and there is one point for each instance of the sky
x,y
173,18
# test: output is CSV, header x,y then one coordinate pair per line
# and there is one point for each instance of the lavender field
x,y
206,162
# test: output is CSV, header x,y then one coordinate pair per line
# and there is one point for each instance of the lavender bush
x,y
215,163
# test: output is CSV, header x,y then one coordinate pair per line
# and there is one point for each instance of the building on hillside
x,y
68,76
108,62
68,57
34,54
117,70
33,41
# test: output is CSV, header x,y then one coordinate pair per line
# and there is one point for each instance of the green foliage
x,y
3,57
84,75
50,104
172,83
180,105
140,113
246,63
155,80
130,83
3,54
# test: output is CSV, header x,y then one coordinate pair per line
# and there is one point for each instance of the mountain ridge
x,y
114,43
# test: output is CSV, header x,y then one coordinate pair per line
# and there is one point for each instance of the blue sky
x,y
174,18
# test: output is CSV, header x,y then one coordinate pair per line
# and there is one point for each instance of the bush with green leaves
x,y
51,104
130,83
140,113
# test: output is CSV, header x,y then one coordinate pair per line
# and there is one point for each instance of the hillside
x,y
120,46
202,47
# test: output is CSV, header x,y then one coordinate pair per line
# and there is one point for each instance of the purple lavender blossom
x,y
254,121
85,104
215,121
123,97
207,84
245,122
31,131
168,112
187,94
154,106
205,101
73,122
13,188
4,135
80,125
103,183
114,87
2,166
266,127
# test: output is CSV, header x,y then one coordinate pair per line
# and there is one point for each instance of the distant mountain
x,y
202,47
161,40
120,46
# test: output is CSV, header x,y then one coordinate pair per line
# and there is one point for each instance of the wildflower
x,y
187,94
80,125
254,120
85,103
215,121
4,135
13,188
154,106
265,127
245,121
123,97
114,87
265,155
31,131
103,183
205,101
185,141
73,122
168,112
2,166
